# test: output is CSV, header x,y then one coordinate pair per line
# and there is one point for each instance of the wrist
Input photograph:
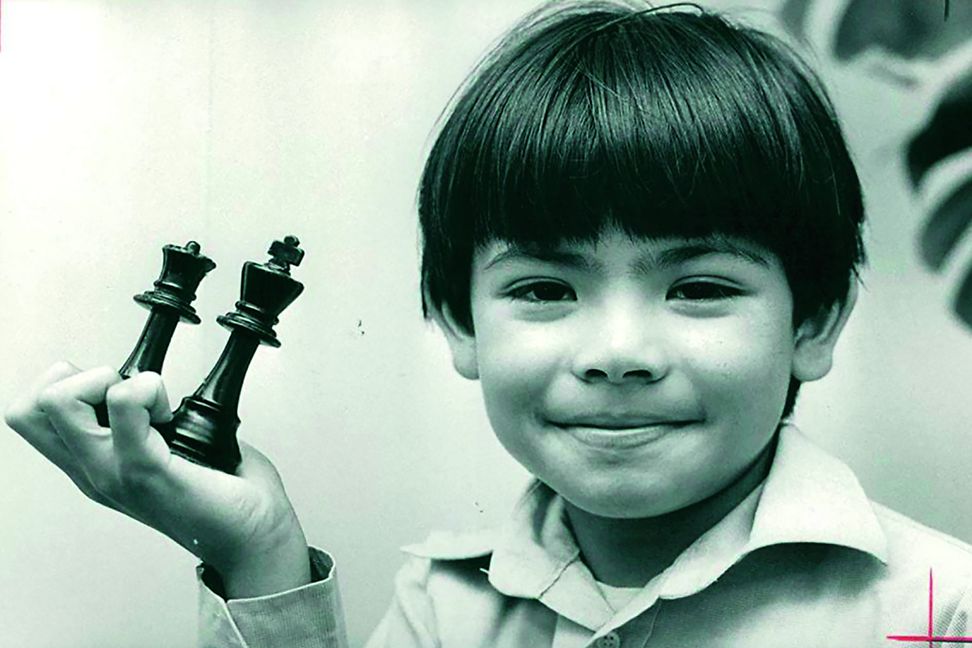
x,y
264,572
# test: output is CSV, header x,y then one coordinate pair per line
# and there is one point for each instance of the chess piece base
x,y
202,432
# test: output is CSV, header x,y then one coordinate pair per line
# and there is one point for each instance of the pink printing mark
x,y
930,637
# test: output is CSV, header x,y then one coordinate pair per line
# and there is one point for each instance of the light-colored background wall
x,y
128,125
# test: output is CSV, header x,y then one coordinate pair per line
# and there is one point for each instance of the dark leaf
x,y
963,300
908,28
946,226
948,132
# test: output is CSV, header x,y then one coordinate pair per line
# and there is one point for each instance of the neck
x,y
630,552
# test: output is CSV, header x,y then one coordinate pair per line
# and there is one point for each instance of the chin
x,y
623,503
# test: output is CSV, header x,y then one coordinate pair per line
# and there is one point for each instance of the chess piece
x,y
169,303
203,428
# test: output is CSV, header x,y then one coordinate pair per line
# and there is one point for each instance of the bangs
x,y
616,129
655,123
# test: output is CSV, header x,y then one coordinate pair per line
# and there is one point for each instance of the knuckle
x,y
52,397
145,385
151,378
139,391
15,416
108,374
119,395
63,368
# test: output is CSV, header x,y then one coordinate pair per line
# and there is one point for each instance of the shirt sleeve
x,y
310,616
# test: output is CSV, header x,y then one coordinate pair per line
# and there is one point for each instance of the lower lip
x,y
619,439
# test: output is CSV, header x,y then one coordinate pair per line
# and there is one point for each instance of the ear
x,y
462,344
815,339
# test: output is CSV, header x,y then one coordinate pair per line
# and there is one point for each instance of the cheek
x,y
517,366
742,365
519,357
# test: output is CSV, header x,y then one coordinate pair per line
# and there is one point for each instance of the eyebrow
x,y
666,258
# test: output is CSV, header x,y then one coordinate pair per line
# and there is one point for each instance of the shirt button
x,y
610,640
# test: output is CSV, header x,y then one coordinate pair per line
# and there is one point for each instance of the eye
x,y
698,290
543,292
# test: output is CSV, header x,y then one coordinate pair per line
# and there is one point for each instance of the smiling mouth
x,y
618,434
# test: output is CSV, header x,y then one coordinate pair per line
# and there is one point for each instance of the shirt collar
x,y
811,496
808,496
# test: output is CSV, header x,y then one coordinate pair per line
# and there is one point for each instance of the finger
x,y
132,405
52,448
56,372
90,463
24,414
68,405
26,417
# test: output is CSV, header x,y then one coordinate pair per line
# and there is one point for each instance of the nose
x,y
624,346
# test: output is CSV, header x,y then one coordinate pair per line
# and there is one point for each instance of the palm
x,y
217,516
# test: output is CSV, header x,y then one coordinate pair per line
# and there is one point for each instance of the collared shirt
x,y
804,560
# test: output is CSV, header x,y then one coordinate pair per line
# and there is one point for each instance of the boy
x,y
641,234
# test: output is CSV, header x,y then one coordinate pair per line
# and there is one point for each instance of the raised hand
x,y
241,524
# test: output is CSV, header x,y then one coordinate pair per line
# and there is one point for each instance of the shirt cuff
x,y
310,616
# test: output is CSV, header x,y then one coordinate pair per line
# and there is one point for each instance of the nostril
x,y
634,374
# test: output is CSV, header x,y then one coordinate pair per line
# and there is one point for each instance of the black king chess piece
x,y
169,303
203,428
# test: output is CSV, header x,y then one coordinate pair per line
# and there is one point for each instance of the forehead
x,y
644,253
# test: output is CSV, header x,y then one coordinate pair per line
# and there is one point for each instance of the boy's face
x,y
636,376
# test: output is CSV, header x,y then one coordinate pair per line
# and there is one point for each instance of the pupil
x,y
549,292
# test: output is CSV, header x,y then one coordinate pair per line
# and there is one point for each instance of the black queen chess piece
x,y
169,302
203,428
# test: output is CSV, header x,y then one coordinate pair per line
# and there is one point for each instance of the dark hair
x,y
660,123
